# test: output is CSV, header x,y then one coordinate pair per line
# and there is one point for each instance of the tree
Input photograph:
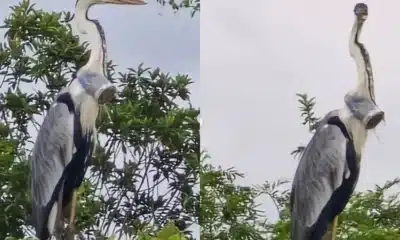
x,y
194,5
227,211
146,165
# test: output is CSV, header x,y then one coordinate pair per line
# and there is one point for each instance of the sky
x,y
255,57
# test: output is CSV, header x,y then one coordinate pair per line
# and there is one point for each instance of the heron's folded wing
x,y
320,172
52,151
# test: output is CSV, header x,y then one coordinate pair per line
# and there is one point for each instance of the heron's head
x,y
88,3
361,12
97,86
365,110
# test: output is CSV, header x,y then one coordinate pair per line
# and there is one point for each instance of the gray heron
x,y
329,166
66,139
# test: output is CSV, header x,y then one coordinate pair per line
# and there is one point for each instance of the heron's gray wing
x,y
320,171
324,120
52,151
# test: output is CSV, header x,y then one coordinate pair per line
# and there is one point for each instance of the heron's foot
x,y
59,232
361,10
69,232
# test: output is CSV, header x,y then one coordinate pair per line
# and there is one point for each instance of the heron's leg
x,y
69,232
334,227
73,209
59,226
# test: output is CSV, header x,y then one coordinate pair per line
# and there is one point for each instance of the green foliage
x,y
227,211
146,165
194,5
169,232
307,111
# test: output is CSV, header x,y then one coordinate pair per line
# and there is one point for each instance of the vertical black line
x,y
367,62
100,31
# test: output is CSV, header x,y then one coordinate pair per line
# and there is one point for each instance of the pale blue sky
x,y
256,55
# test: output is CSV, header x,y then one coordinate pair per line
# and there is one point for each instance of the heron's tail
x,y
29,221
299,231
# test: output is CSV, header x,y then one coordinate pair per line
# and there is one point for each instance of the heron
x,y
65,142
329,166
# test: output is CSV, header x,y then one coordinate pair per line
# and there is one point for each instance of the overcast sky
x,y
256,55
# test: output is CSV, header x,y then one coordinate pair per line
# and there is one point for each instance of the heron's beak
x,y
126,2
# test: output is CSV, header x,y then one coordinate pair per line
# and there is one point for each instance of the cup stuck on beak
x,y
106,94
374,118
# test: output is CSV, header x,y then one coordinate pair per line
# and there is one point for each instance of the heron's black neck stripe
x,y
100,30
336,121
367,61
67,100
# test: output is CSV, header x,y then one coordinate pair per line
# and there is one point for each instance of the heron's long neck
x,y
93,30
365,83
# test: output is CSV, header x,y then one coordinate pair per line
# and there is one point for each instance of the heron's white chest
x,y
359,135
356,129
74,149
